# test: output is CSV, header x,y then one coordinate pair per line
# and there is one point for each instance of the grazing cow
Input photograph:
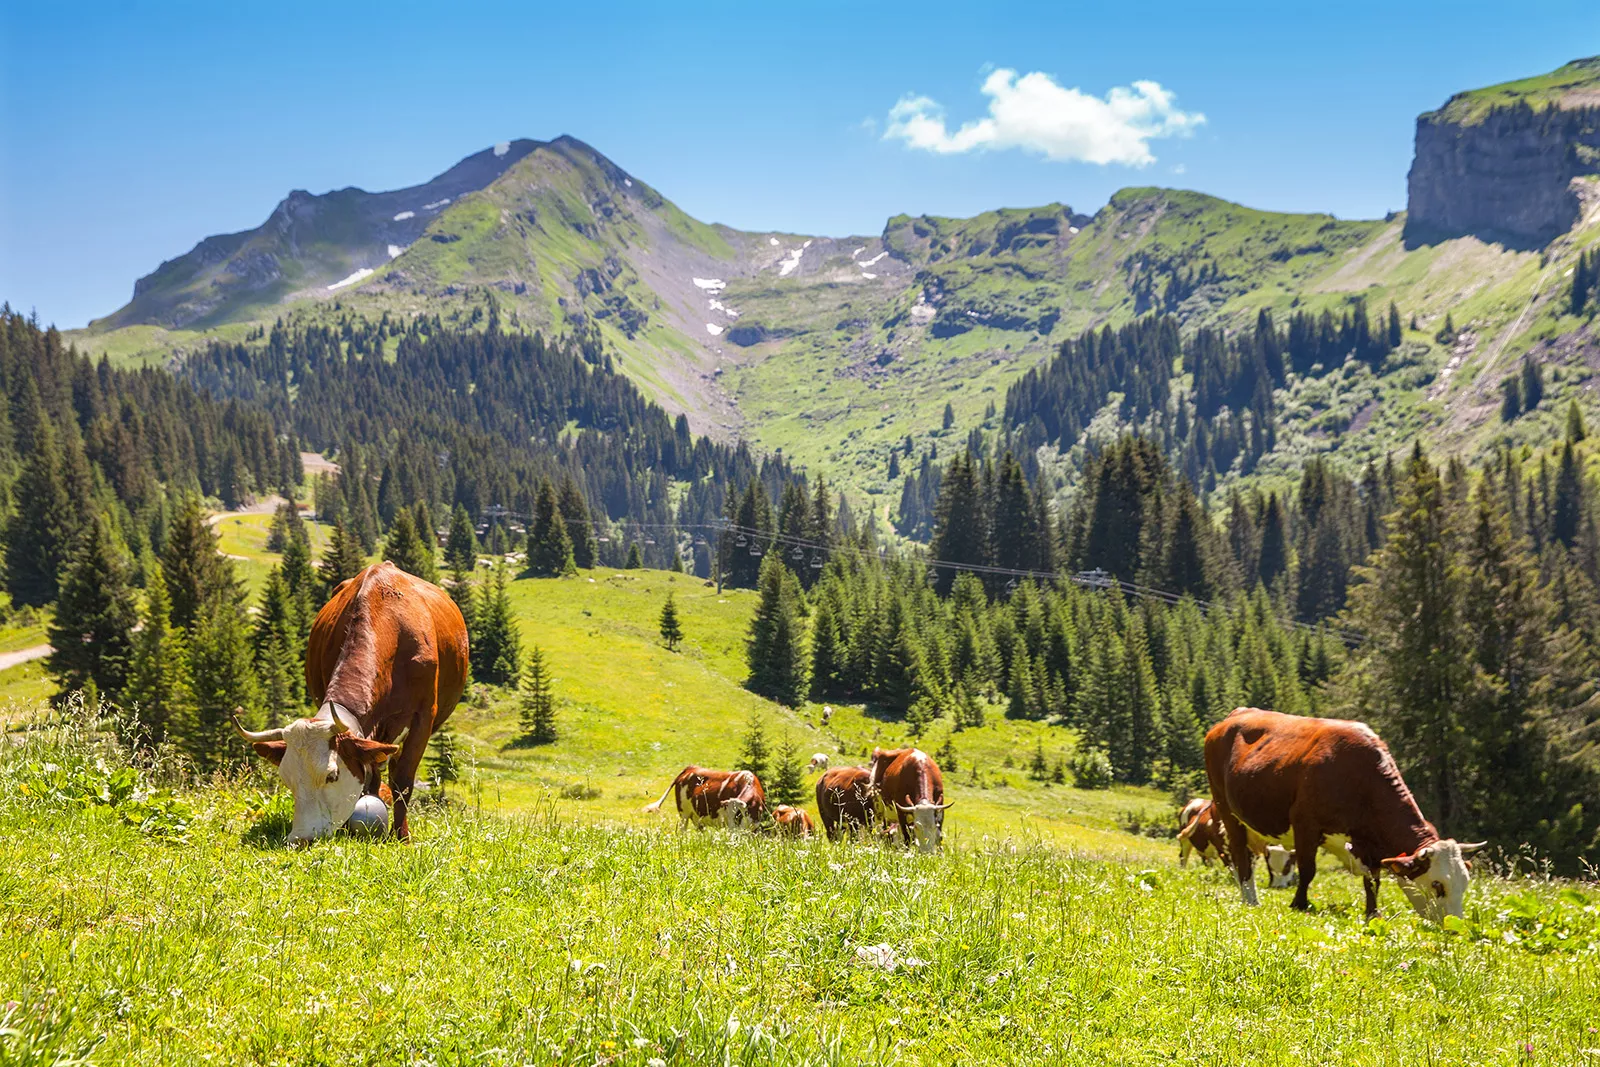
x,y
819,762
844,801
704,797
1202,833
906,783
386,662
1309,783
792,822
827,714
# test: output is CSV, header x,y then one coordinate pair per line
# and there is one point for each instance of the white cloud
x,y
1180,169
1033,113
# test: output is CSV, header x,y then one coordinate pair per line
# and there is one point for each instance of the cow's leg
x,y
403,768
1306,842
1243,859
1184,848
1369,882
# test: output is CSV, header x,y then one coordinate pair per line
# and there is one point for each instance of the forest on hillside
x,y
1455,609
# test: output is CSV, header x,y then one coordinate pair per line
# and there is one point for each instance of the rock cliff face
x,y
1505,176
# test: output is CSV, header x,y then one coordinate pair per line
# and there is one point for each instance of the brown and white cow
x,y
1202,833
792,822
1308,783
844,801
908,789
386,662
819,762
706,797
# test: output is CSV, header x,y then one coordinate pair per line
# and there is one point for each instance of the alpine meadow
x,y
506,619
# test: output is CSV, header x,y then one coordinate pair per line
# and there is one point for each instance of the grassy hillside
x,y
1573,85
164,929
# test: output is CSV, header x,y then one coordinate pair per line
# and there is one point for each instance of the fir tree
x,y
342,560
788,785
461,547
949,417
671,629
223,678
1510,398
946,755
404,548
580,527
754,751
279,651
1038,766
776,650
538,706
549,546
635,557
92,633
1566,514
497,646
1576,431
464,592
40,533
1532,383
195,570
158,690
444,754
300,579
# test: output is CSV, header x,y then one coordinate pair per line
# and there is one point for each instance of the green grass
x,y
1538,92
178,931
243,538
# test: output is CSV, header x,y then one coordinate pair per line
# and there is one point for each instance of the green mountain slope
x,y
836,349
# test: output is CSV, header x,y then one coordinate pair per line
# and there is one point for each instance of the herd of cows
x,y
387,662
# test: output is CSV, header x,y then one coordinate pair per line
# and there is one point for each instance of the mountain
x,y
834,350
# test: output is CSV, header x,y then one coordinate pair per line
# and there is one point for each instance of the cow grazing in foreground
x,y
844,801
1203,834
905,783
792,822
705,797
1307,783
386,662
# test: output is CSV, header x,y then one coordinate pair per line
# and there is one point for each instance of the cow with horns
x,y
1313,783
908,790
386,663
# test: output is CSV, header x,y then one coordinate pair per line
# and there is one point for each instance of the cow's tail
x,y
663,799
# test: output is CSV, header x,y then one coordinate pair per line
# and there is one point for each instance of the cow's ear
x,y
272,750
362,753
1409,867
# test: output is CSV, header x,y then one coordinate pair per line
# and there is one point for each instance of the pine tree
x,y
1566,515
949,417
286,526
444,754
1510,398
946,755
92,633
788,785
279,651
195,570
827,652
580,527
1532,383
1576,431
1581,282
1395,335
464,592
461,547
671,629
40,533
776,650
405,549
1038,766
549,546
538,710
754,752
635,557
223,677
342,560
300,579
497,646
158,690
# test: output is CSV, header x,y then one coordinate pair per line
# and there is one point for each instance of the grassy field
x,y
243,538
175,930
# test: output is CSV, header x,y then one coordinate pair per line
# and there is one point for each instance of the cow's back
x,y
409,637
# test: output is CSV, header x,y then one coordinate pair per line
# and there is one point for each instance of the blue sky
x,y
132,130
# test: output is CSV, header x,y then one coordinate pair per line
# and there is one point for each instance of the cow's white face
x,y
325,791
1280,867
927,824
736,815
1435,878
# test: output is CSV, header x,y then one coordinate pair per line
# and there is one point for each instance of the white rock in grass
x,y
370,819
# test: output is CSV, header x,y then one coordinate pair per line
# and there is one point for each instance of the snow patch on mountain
x,y
713,329
394,251
502,147
710,285
364,272
405,215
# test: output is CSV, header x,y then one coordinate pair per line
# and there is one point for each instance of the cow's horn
x,y
1468,848
339,726
947,804
254,736
907,808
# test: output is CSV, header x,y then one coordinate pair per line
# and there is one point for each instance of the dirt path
x,y
265,506
23,655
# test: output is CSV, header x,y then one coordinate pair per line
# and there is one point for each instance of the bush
x,y
1091,769
580,791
